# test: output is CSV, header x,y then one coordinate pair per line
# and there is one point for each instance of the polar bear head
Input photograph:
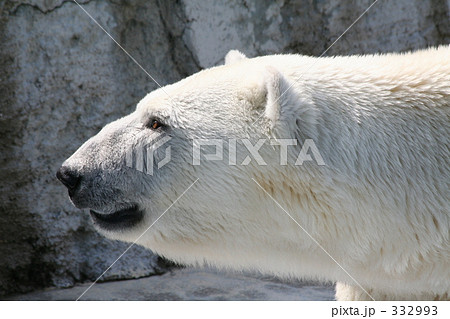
x,y
179,175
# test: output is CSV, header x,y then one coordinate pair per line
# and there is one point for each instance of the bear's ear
x,y
234,56
275,86
285,104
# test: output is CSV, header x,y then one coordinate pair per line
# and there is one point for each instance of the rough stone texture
x,y
190,284
62,78
310,27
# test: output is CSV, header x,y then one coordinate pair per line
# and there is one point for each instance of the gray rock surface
x,y
191,284
62,78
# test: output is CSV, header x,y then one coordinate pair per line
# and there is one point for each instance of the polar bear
x,y
365,205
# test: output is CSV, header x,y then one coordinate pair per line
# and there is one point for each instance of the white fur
x,y
234,56
380,206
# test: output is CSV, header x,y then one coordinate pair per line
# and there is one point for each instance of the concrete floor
x,y
191,284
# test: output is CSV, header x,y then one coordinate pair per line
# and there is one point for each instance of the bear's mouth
x,y
121,219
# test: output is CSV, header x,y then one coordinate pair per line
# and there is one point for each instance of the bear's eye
x,y
154,124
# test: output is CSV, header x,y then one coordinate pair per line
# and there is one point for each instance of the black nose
x,y
68,177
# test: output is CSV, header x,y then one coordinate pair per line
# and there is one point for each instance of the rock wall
x,y
62,79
